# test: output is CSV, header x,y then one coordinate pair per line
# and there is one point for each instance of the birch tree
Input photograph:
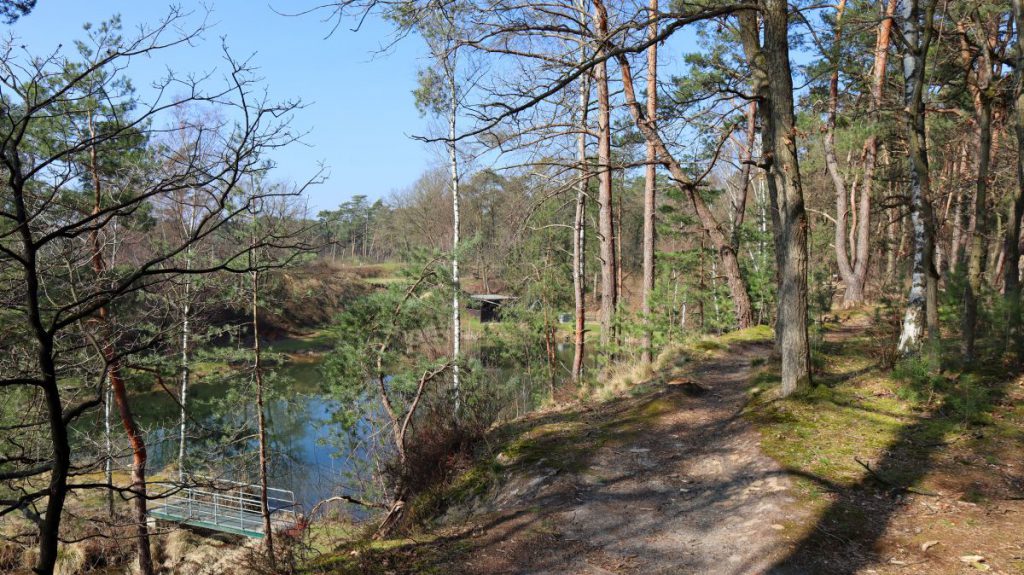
x,y
916,31
439,93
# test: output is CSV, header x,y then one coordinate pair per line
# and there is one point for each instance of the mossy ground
x,y
868,439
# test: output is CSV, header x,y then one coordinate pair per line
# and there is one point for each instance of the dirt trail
x,y
677,484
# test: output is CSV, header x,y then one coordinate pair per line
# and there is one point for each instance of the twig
x,y
885,481
346,498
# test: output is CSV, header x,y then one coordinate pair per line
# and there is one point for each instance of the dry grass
x,y
617,379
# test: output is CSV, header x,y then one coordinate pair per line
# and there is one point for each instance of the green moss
x,y
424,555
822,430
756,334
709,344
475,482
563,446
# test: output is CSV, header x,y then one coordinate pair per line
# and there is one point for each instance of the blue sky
x,y
360,106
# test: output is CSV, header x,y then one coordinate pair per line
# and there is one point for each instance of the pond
x,y
308,454
304,457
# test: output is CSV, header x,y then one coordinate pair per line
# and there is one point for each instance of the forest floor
x,y
700,469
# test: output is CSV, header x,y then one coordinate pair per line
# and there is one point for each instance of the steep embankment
x,y
301,299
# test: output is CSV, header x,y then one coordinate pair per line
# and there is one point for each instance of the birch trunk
x,y
915,51
453,164
108,465
185,371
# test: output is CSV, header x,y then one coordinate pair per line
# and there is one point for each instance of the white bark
x,y
453,161
913,62
185,371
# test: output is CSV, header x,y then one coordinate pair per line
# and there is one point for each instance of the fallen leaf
x,y
928,545
972,558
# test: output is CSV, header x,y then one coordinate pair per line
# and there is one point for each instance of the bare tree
x,y
45,154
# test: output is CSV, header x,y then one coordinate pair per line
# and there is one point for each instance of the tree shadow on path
x,y
849,535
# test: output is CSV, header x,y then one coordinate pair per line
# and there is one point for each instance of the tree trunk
x,y
549,347
108,464
714,230
617,228
773,82
139,457
1011,273
976,254
785,170
854,290
579,223
650,186
915,51
606,235
855,275
49,527
453,161
740,205
185,372
750,37
49,524
261,425
117,385
957,211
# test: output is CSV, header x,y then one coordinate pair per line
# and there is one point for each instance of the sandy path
x,y
688,491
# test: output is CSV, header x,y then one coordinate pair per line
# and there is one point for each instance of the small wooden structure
x,y
490,305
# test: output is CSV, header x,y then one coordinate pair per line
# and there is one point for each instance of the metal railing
x,y
229,506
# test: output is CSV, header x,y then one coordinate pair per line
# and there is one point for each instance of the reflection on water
x,y
304,444
309,454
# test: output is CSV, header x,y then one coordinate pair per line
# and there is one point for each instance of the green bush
x,y
964,397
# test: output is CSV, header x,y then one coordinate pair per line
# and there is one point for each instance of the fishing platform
x,y
228,507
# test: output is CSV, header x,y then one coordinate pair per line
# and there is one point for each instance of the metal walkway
x,y
228,507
